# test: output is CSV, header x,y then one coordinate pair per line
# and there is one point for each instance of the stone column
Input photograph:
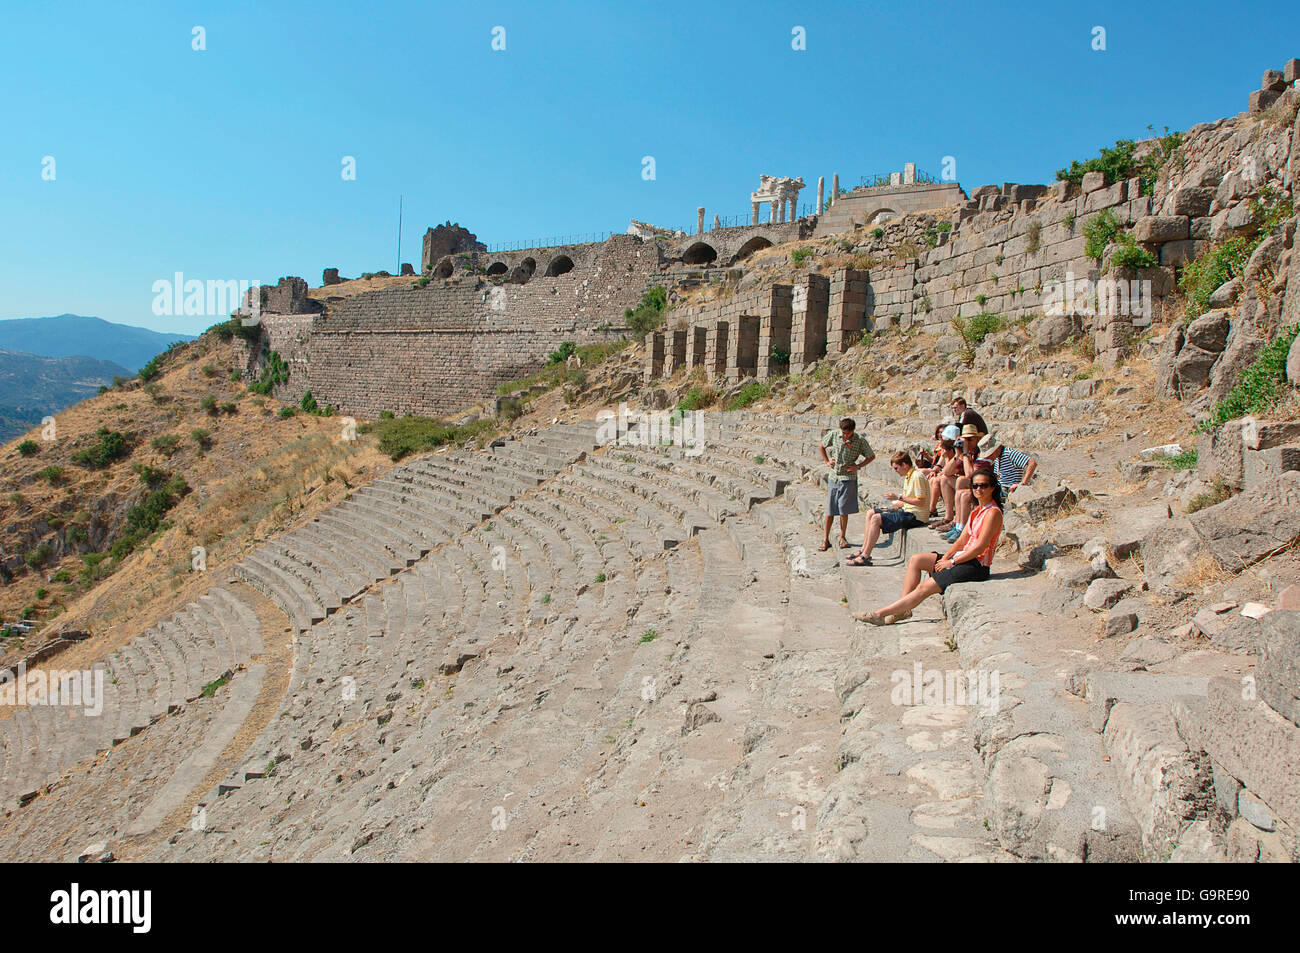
x,y
780,210
654,356
909,173
835,188
774,328
821,194
794,208
715,349
847,308
744,348
699,220
755,204
771,213
808,322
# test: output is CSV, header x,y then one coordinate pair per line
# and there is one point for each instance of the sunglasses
x,y
981,486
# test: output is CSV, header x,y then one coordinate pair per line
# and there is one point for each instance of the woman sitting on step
x,y
967,560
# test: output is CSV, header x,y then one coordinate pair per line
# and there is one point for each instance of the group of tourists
x,y
971,487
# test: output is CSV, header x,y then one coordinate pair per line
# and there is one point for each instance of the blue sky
x,y
226,163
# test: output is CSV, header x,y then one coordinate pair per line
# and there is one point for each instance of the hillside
x,y
75,335
32,387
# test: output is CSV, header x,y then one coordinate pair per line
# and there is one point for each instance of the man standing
x,y
845,447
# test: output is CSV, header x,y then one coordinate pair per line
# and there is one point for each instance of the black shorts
x,y
972,571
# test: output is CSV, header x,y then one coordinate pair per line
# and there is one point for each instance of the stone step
x,y
281,589
324,588
649,485
227,657
668,527
389,523
242,622
366,535
370,562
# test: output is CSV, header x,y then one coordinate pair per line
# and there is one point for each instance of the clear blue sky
x,y
225,163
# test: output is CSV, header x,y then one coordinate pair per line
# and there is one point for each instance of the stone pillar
x,y
697,347
846,308
771,213
774,329
654,356
755,204
717,222
675,352
909,173
794,208
835,188
699,220
780,210
895,178
821,194
715,349
809,303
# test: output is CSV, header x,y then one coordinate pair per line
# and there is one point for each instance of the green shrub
x,y
166,444
286,412
1202,276
697,398
565,351
1216,494
1033,235
42,592
202,437
404,436
146,517
209,403
979,327
1118,162
1098,233
308,403
778,355
800,255
92,570
28,448
274,374
229,408
1182,461
751,393
40,554
649,313
1260,387
1129,255
52,473
385,415
877,233
112,446
210,370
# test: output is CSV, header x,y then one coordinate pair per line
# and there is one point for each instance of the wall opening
x,y
559,265
701,253
754,244
444,268
497,268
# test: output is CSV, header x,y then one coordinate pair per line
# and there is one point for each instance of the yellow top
x,y
917,487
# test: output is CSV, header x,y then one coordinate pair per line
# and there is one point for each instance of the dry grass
x,y
1202,573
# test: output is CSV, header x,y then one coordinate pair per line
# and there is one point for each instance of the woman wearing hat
x,y
955,482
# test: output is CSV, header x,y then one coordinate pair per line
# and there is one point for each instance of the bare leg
x,y
964,500
948,485
844,527
935,492
912,599
826,537
870,533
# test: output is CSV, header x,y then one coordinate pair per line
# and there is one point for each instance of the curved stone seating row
x,y
164,667
387,525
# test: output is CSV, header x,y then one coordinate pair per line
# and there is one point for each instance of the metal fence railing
x,y
878,180
551,242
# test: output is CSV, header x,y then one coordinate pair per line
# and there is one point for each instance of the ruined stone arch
x,y
881,214
757,243
559,265
528,266
700,253
444,268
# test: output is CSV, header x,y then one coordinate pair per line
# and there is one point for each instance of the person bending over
x,y
908,510
967,560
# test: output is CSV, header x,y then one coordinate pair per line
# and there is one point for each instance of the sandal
x,y
859,560
902,616
872,618
845,544
824,546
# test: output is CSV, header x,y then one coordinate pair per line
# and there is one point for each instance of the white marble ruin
x,y
778,192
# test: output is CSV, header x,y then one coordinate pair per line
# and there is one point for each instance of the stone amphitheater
x,y
567,647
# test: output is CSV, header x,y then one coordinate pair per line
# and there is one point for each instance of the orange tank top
x,y
976,523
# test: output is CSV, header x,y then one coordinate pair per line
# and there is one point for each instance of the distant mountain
x,y
72,335
33,386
